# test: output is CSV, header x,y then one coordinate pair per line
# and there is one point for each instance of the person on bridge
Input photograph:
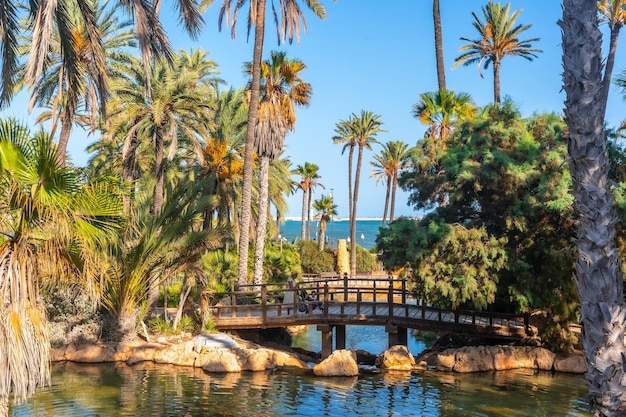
x,y
290,294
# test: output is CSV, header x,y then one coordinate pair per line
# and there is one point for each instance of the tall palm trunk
x,y
387,192
158,172
261,228
129,159
304,211
350,187
610,62
496,83
253,114
64,136
308,214
322,237
394,187
357,177
441,74
598,269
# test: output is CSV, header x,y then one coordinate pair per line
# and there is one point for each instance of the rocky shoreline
x,y
220,352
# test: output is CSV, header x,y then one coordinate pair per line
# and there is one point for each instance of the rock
x,y
339,363
574,364
280,358
254,359
489,358
94,353
363,357
396,358
221,360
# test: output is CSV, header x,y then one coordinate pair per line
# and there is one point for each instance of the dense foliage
x,y
503,230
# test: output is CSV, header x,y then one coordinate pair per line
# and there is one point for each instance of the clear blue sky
x,y
379,56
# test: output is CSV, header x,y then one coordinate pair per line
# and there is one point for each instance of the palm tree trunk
x,y
441,74
261,229
181,306
64,137
129,157
496,83
303,220
158,172
394,187
4,406
322,236
253,110
598,268
357,176
608,69
350,187
386,201
308,214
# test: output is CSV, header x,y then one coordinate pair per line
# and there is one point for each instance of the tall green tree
x,y
358,131
282,90
388,164
498,37
291,15
598,274
52,225
69,86
325,210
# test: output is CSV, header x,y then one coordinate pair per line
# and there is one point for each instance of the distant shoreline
x,y
338,219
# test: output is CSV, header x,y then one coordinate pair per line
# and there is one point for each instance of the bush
x,y
365,261
159,325
73,317
313,260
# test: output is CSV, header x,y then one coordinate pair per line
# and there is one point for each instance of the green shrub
x,y
313,260
159,325
365,261
186,324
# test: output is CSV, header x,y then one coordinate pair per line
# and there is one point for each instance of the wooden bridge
x,y
362,301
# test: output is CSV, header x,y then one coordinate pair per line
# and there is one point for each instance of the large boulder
x,y
574,364
494,358
339,363
220,361
396,358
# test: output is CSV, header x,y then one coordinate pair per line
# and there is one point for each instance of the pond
x,y
162,390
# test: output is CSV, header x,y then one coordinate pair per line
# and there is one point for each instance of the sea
x,y
366,231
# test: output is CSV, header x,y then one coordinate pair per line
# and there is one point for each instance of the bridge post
x,y
390,298
340,337
263,305
327,339
345,287
396,335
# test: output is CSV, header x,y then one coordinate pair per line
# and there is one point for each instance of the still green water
x,y
161,390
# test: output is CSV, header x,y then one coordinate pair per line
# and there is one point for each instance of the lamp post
x,y
362,240
348,240
280,238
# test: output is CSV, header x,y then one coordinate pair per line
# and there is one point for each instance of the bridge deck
x,y
382,303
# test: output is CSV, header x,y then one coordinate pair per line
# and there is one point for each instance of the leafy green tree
x,y
506,177
52,226
598,276
498,37
360,132
326,209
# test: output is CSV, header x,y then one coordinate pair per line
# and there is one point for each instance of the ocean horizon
x,y
366,230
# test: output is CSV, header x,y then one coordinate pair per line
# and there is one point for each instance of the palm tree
x,y
441,72
177,106
392,160
281,90
439,111
326,209
51,224
152,249
357,131
309,180
498,38
67,86
598,269
291,15
615,14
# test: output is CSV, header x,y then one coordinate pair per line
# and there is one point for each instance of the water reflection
x,y
160,390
